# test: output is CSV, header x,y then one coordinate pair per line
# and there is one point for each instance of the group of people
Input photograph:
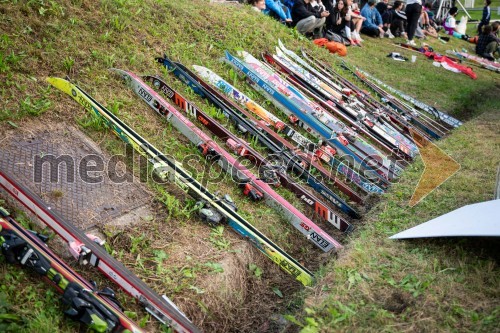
x,y
344,21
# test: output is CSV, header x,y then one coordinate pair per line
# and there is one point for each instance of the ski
x,y
214,210
436,123
253,186
242,148
349,110
86,251
247,124
323,153
98,310
355,147
477,60
334,138
340,167
237,96
355,112
404,119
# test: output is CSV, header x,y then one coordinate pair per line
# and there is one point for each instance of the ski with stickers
x,y
285,152
253,186
98,310
243,149
87,251
212,209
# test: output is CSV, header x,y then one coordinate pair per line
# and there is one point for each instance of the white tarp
x,y
481,219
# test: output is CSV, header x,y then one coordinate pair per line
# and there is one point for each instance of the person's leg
x,y
319,22
306,25
479,27
373,32
425,19
413,14
358,23
318,27
491,47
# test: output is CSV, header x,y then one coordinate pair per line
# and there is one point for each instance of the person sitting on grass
x,y
373,25
398,23
385,12
450,24
487,43
337,24
307,20
354,16
258,5
278,10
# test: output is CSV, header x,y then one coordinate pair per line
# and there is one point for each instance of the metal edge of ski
x,y
421,105
245,125
173,171
100,312
242,148
211,150
321,129
86,251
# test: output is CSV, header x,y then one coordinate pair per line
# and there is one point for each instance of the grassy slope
x,y
84,38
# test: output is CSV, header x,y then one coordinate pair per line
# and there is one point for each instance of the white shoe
x,y
411,42
389,34
357,36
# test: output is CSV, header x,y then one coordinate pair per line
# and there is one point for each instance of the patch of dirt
x,y
397,301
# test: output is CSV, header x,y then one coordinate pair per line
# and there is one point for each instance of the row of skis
x,y
332,144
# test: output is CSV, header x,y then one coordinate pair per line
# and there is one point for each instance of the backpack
x,y
333,47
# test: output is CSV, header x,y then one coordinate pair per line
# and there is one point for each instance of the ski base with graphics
x,y
99,311
167,169
242,148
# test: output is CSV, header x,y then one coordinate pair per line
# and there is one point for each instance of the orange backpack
x,y
333,47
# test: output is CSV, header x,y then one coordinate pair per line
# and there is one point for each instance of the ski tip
x,y
160,59
59,83
117,70
52,80
200,69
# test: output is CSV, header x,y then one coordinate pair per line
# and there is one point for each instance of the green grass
x,y
213,275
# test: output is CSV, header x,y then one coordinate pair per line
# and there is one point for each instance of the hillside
x,y
217,278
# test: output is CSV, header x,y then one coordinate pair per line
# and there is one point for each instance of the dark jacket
x,y
483,41
486,16
301,10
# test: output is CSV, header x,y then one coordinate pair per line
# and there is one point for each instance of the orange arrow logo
x,y
438,167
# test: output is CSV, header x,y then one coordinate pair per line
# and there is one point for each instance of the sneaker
x,y
411,42
355,35
390,35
